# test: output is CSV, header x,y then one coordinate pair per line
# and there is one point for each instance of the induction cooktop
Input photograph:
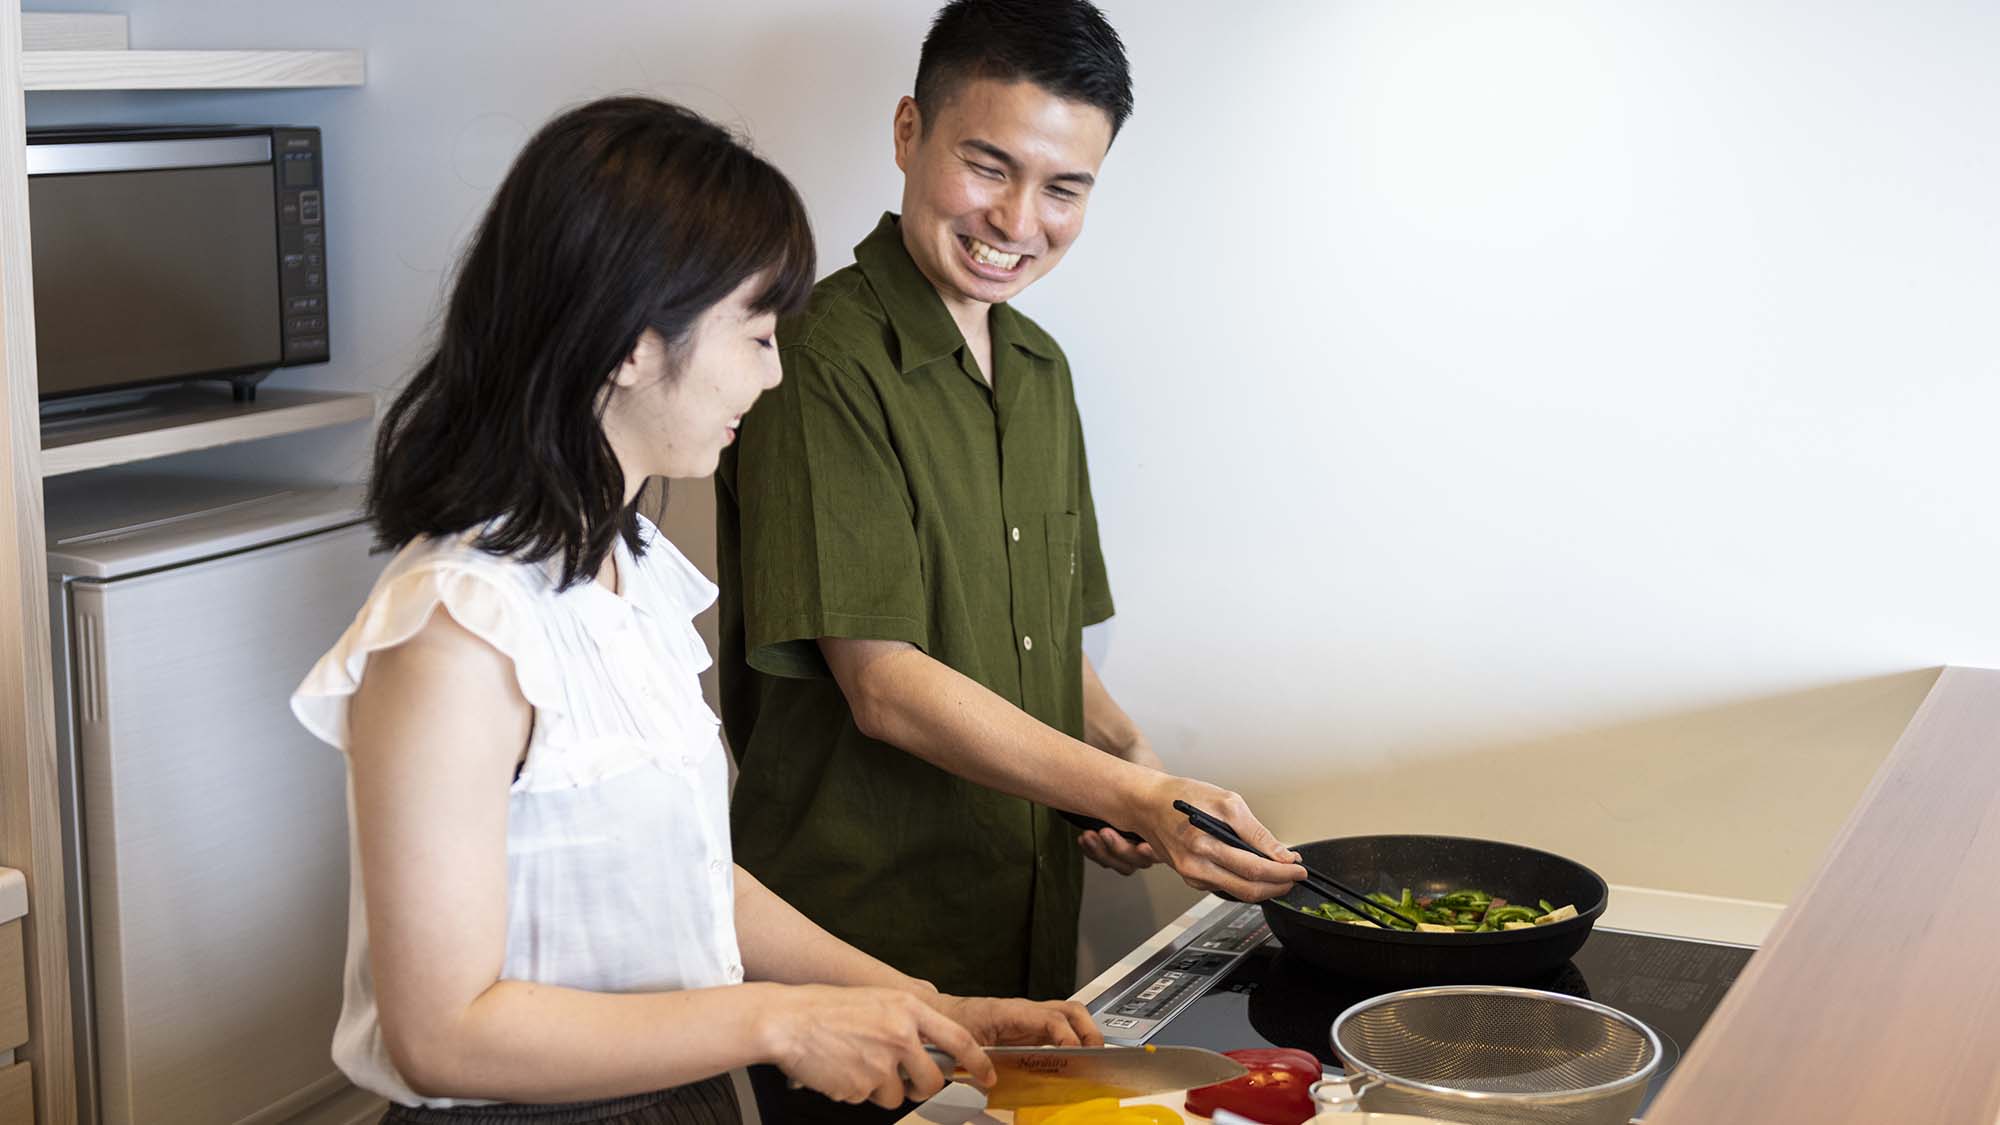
x,y
1227,984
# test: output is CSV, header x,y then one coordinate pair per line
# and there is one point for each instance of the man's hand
x,y
1204,862
997,1022
1106,847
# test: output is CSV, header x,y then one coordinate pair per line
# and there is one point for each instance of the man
x,y
909,551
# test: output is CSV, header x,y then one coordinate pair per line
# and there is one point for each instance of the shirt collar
x,y
924,329
1010,327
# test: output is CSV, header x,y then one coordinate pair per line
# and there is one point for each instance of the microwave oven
x,y
170,253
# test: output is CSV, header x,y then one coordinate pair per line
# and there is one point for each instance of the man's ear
x,y
908,128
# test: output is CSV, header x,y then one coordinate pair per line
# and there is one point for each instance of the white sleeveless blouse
x,y
619,876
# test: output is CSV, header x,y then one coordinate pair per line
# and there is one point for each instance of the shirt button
x,y
1017,535
715,865
687,763
1028,643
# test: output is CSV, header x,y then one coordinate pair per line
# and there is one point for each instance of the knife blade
x,y
1054,1075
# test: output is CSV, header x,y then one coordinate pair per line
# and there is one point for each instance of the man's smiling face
x,y
994,189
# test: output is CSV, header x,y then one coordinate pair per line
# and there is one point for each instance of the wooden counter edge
x,y
1876,997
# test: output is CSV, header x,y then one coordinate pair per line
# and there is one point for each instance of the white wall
x,y
1571,422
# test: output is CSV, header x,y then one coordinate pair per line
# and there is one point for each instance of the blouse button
x,y
1028,644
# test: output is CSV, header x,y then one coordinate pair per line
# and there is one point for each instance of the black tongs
x,y
1322,884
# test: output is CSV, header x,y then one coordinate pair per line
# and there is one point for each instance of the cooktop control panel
x,y
1134,1008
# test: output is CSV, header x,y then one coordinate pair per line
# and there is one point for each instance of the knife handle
x,y
952,1071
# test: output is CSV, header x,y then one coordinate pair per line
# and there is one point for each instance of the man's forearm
x,y
1107,726
780,944
912,701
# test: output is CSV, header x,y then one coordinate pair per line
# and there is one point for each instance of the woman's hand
x,y
866,1044
998,1022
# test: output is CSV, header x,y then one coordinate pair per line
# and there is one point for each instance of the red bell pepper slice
x,y
1277,1091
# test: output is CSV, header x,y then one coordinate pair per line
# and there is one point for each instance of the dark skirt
x,y
708,1102
781,1103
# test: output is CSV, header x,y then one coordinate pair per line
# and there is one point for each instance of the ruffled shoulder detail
x,y
675,591
488,597
682,588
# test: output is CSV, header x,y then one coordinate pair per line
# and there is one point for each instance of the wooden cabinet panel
x,y
17,1095
13,990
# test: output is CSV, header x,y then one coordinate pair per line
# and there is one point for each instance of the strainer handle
x,y
1340,1095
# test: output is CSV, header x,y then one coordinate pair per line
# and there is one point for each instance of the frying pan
x,y
1434,865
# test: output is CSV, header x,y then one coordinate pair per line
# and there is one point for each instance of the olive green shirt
x,y
884,491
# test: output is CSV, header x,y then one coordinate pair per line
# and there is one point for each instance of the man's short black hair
x,y
1066,47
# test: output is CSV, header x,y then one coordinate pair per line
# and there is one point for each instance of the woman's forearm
x,y
520,1041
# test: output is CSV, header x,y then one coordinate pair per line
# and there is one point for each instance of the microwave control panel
x,y
301,243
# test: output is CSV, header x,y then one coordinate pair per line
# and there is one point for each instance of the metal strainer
x,y
1487,1055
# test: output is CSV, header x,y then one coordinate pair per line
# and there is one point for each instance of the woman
x,y
544,906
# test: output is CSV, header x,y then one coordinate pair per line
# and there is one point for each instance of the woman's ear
x,y
627,373
645,354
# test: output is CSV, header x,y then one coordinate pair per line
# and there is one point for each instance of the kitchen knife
x,y
1055,1075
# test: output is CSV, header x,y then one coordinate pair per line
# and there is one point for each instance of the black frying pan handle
x,y
1092,824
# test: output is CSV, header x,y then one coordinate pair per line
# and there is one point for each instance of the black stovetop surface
x,y
1272,999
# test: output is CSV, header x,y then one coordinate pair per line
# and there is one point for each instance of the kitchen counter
x,y
1910,987
1877,996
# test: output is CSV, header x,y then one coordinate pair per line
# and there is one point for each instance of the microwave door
x,y
154,260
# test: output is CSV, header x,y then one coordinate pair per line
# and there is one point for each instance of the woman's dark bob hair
x,y
622,215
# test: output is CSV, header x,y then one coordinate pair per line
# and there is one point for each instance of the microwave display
x,y
162,256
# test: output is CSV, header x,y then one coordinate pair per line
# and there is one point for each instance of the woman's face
x,y
671,419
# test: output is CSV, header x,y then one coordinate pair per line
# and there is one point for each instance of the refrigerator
x,y
205,832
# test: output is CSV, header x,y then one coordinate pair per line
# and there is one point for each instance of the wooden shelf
x,y
190,70
185,419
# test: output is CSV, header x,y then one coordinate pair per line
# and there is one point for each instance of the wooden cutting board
x,y
960,1104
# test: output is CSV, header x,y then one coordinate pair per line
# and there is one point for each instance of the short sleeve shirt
x,y
619,876
886,491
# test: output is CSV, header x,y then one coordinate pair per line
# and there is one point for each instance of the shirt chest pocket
x,y
1061,534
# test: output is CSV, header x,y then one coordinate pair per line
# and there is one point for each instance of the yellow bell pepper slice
x,y
1097,1111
